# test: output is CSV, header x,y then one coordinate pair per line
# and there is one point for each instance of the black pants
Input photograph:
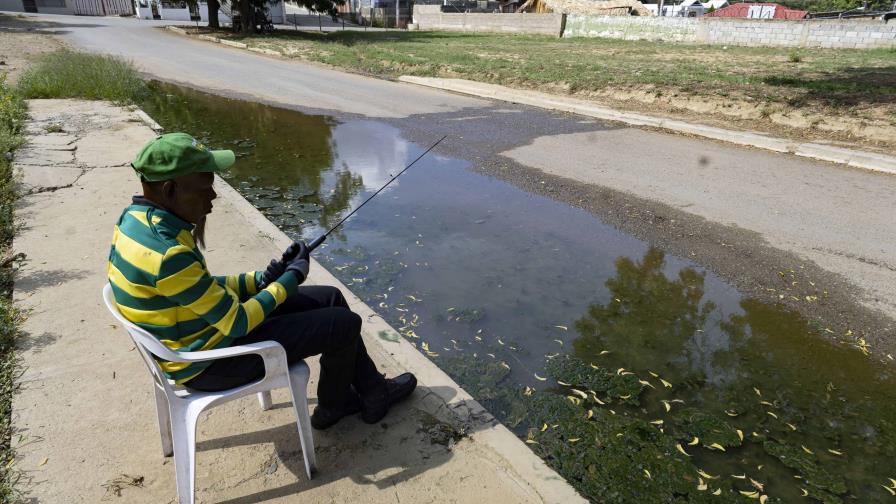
x,y
316,320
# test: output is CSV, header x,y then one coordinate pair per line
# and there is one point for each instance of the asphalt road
x,y
746,214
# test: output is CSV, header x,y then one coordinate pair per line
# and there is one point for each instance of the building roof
x,y
741,10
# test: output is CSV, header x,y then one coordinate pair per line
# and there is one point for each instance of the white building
x,y
686,8
181,11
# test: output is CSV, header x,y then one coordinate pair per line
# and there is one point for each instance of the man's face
x,y
190,196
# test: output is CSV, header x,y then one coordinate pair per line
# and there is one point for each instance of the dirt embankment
x,y
870,127
21,41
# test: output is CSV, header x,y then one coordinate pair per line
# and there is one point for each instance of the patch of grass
x,y
69,74
830,77
12,115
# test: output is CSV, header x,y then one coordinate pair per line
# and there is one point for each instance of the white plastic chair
x,y
178,409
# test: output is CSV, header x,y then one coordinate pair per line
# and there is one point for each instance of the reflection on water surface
x,y
639,376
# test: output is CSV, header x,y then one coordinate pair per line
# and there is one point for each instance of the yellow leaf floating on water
x,y
647,473
653,374
44,461
718,491
665,383
657,422
575,400
757,485
574,439
706,475
564,383
740,434
528,391
579,393
646,383
792,427
753,495
504,364
892,491
893,482
772,414
694,442
562,327
620,370
544,427
604,352
757,391
499,341
810,452
739,476
559,341
681,450
598,401
667,405
762,499
717,446
626,396
766,403
701,485
731,413
539,378
805,492
531,441
838,453
590,414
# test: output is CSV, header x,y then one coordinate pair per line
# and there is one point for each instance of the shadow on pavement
x,y
409,442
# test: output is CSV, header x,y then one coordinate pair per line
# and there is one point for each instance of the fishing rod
x,y
320,239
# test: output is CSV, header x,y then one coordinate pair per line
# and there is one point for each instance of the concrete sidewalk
x,y
85,410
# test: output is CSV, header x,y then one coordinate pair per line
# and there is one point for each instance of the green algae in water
x,y
624,388
821,484
710,429
615,458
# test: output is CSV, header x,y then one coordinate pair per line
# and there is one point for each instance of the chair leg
x,y
299,390
164,417
183,426
264,398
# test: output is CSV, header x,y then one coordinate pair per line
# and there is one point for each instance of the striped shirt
x,y
161,284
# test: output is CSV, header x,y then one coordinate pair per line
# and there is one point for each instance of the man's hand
x,y
298,250
299,265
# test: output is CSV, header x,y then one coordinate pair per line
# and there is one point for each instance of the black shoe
x,y
374,406
324,418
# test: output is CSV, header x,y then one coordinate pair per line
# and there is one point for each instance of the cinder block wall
x,y
431,17
632,27
856,34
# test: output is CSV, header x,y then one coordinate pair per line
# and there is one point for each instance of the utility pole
x,y
397,12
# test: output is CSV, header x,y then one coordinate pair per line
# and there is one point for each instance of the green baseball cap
x,y
174,154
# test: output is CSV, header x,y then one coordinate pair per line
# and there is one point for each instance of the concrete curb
x,y
855,158
231,43
445,392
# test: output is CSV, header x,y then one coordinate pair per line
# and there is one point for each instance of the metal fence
x,y
103,7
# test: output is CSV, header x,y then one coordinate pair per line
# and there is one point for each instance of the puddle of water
x,y
527,302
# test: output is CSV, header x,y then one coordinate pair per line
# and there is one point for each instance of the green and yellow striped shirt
x,y
161,284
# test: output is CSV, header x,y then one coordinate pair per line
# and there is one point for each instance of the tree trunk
x,y
247,17
213,6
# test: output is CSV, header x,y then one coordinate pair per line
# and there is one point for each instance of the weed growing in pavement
x,y
12,115
69,74
794,57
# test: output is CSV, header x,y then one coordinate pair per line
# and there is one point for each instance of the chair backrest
x,y
146,343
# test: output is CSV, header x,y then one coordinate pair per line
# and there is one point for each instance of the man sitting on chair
x,y
161,283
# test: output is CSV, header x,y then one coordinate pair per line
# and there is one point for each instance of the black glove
x,y
274,271
297,249
299,266
278,267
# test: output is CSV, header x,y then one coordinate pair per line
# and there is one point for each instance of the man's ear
x,y
169,189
